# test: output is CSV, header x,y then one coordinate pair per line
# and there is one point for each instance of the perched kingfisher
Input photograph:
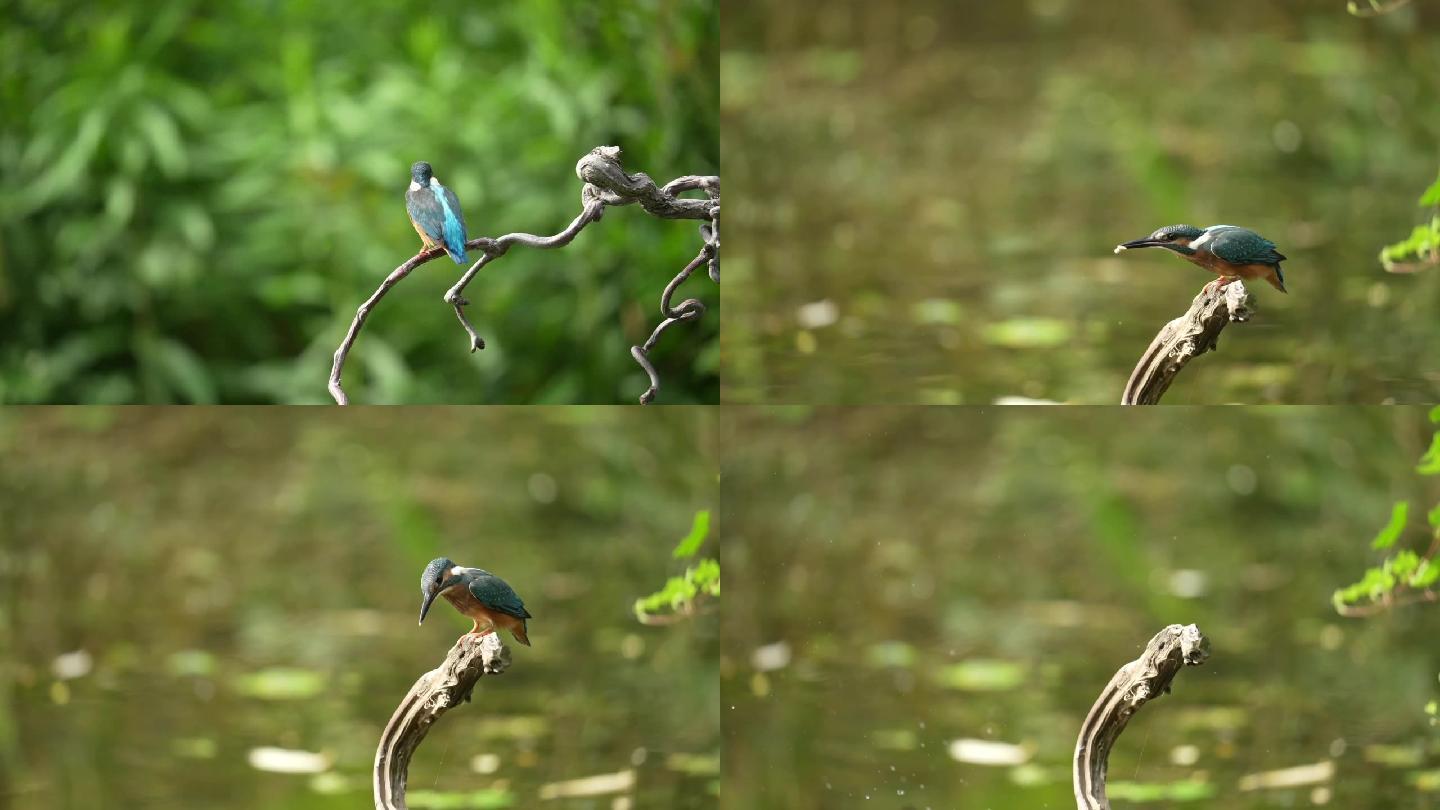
x,y
478,595
435,213
1226,250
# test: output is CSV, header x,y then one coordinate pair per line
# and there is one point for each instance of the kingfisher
x,y
435,213
1229,251
478,594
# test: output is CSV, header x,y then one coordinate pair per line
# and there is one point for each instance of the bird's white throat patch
x,y
414,186
457,571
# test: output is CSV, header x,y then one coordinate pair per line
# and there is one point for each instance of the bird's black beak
x,y
430,594
433,590
1140,243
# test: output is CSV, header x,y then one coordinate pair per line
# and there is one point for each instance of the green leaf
x,y
1387,536
702,578
1435,414
1376,583
182,371
1432,194
699,530
166,144
1404,564
677,592
1430,462
1425,575
706,576
1434,517
1423,242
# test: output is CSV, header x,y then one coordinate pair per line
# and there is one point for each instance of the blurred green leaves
x,y
197,199
1422,248
681,594
1403,576
1430,462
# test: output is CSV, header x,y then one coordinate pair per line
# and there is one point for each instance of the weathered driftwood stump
x,y
437,691
1138,682
1185,338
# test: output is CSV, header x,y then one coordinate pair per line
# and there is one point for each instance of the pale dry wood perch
x,y
1138,682
1185,338
435,693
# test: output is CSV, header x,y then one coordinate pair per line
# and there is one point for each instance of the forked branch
x,y
605,184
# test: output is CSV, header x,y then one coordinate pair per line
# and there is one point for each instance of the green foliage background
x,y
196,197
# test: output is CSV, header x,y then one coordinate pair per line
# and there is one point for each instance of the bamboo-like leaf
x,y
699,530
1387,536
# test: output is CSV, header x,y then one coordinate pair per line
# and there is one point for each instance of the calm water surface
x,y
932,191
924,606
206,609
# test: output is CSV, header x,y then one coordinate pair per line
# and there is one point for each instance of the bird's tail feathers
x,y
519,631
1278,282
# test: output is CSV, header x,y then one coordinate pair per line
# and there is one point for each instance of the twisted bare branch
x,y
605,184
689,310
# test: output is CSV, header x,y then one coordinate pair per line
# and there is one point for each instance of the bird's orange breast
x,y
466,603
1253,271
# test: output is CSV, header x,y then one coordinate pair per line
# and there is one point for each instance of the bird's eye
x,y
1166,237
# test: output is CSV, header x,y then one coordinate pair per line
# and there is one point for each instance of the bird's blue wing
x,y
1244,246
426,211
454,222
496,594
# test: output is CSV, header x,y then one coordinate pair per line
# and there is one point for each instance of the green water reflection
x,y
932,191
923,607
194,601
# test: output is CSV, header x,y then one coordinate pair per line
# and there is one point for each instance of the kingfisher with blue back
x,y
435,213
1229,251
479,595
